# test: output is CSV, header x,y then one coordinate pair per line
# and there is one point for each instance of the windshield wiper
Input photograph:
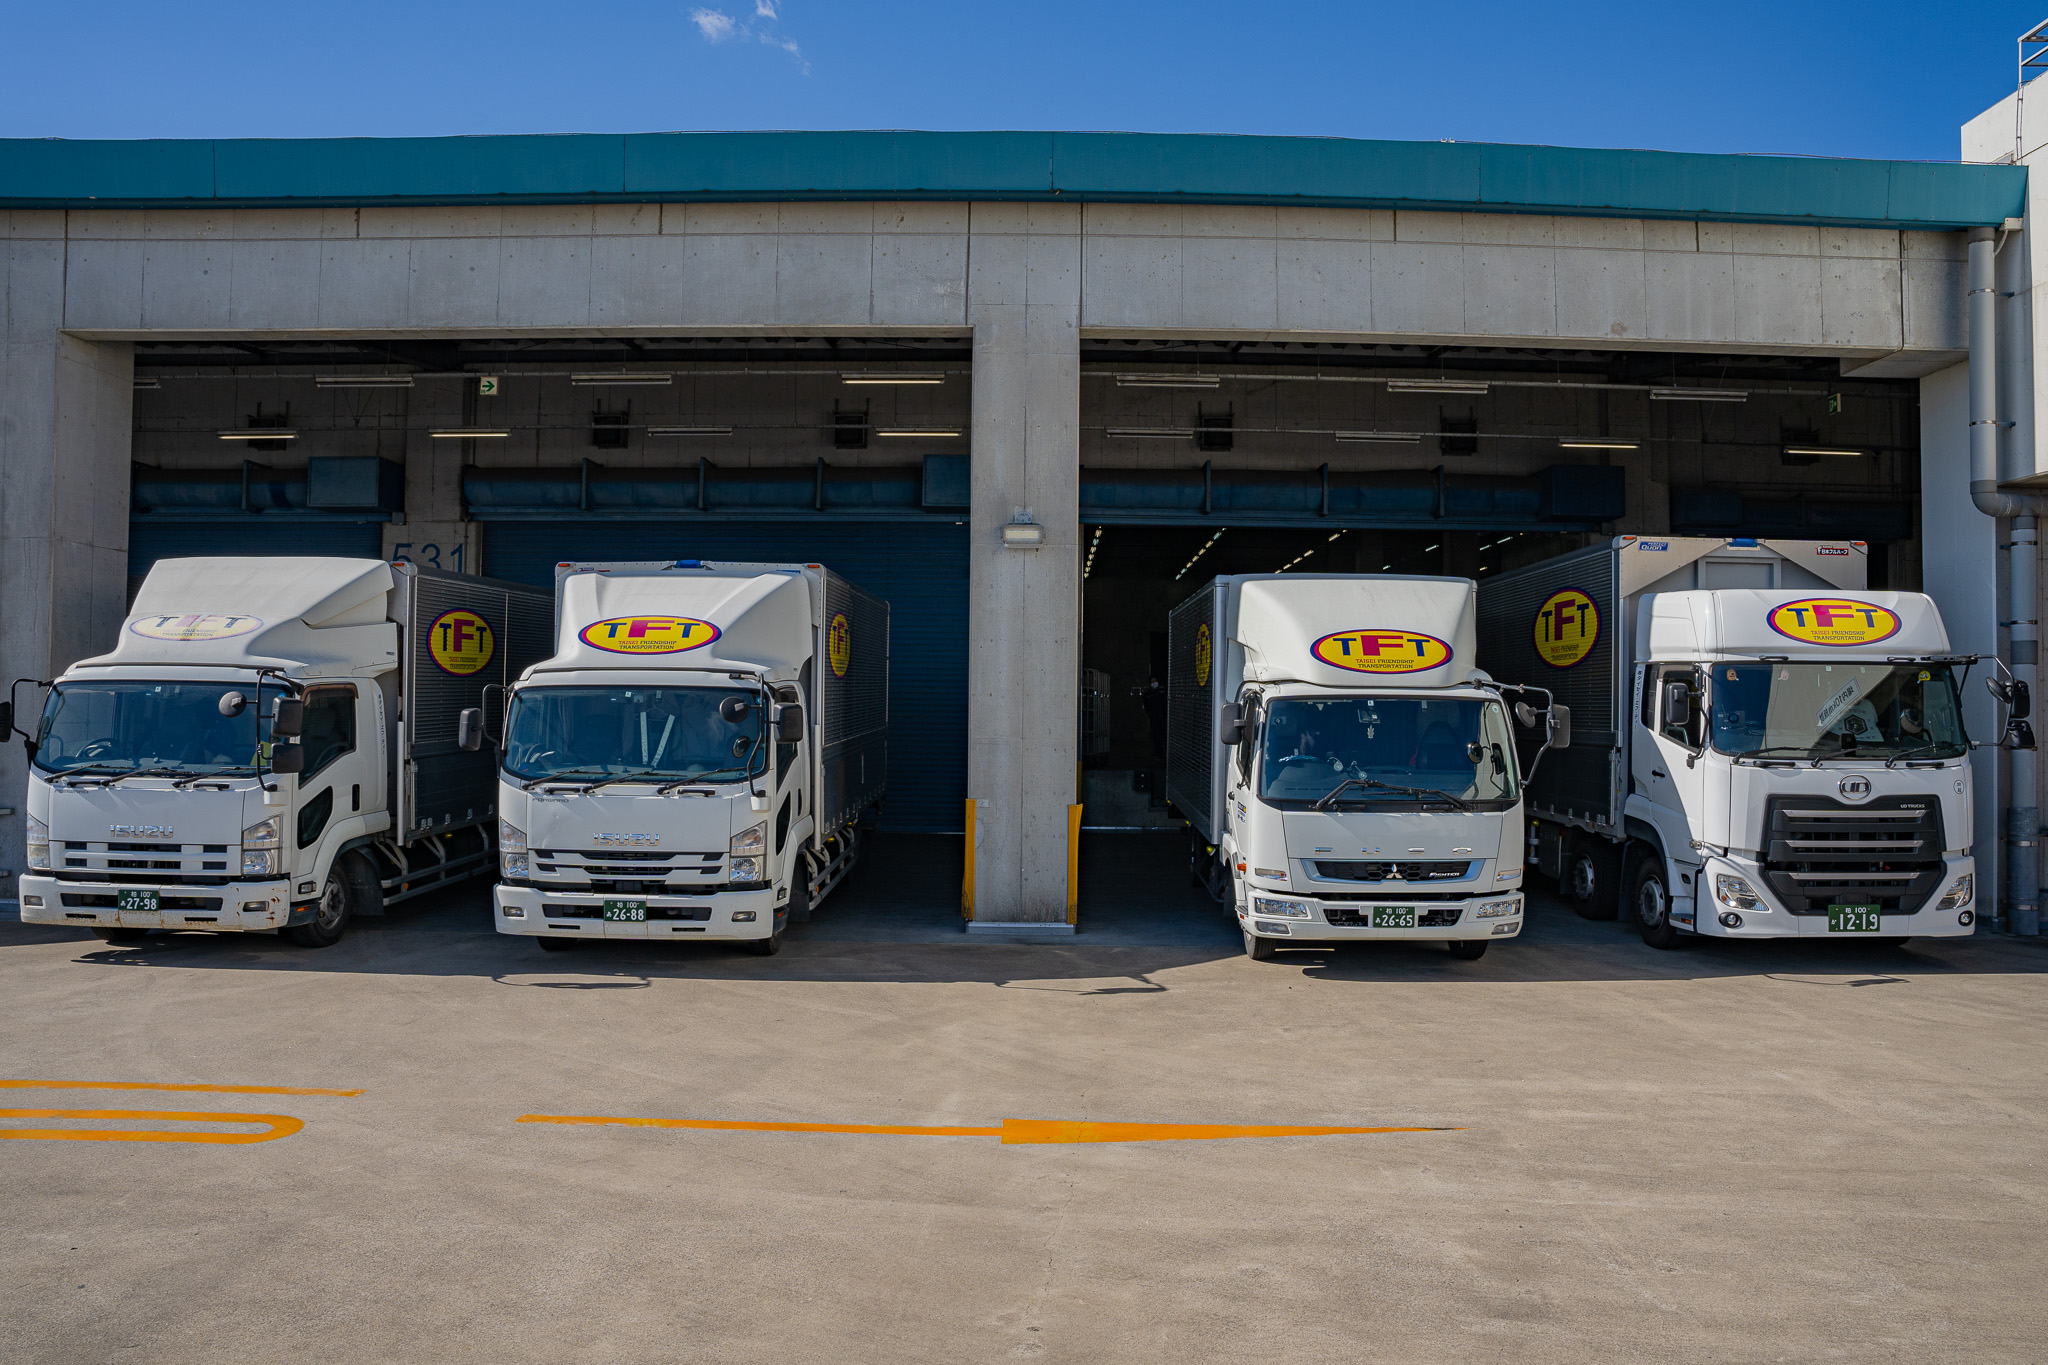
x,y
145,772
702,779
1903,754
1375,784
566,775
590,787
219,776
1799,750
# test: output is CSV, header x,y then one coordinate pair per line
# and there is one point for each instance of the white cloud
x,y
765,9
715,25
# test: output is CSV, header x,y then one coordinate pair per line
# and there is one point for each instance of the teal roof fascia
x,y
1073,167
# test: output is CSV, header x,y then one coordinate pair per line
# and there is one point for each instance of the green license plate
x,y
1852,919
635,911
1393,917
136,898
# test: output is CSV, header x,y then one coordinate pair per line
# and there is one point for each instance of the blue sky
x,y
1879,79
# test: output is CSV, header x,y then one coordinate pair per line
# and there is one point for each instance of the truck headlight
x,y
1734,891
751,840
1281,909
513,863
38,843
513,867
1498,909
260,846
511,838
746,869
1959,892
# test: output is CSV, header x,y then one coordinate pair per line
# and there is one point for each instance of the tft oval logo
x,y
1382,651
1205,654
194,626
648,634
1566,628
460,641
1836,622
839,645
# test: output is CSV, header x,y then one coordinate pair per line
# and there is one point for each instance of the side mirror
x,y
1677,704
2019,735
287,759
1230,724
733,710
1525,715
469,728
290,720
6,717
2022,700
789,723
232,704
1560,726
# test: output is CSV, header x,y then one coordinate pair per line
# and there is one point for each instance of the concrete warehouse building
x,y
1030,387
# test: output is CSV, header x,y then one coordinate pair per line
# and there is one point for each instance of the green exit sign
x,y
1834,402
487,387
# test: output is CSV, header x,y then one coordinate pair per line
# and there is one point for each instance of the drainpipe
x,y
2022,814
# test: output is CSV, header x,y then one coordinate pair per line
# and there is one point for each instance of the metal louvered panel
x,y
853,719
1191,709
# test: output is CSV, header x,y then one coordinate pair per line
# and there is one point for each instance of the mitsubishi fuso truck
x,y
1764,748
1345,769
695,761
272,744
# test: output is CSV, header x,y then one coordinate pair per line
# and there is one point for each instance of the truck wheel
x,y
137,935
330,916
800,892
1651,896
1589,878
554,943
1467,949
766,947
365,890
1259,949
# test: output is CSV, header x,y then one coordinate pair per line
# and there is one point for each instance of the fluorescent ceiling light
x,y
1437,385
917,431
892,377
1598,443
261,434
689,431
467,433
1821,450
150,383
1398,437
363,381
1152,433
1699,395
650,378
1168,381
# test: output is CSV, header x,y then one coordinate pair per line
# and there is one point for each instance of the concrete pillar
x,y
1024,303
1961,575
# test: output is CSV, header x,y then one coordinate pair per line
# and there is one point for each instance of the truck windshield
x,y
670,733
173,727
1815,710
1458,747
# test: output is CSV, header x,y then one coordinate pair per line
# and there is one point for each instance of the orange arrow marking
x,y
279,1125
1012,1132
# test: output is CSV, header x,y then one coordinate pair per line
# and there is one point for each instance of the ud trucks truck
x,y
1765,748
696,758
272,744
1345,769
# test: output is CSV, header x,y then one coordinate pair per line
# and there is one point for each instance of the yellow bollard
x,y
1073,863
967,876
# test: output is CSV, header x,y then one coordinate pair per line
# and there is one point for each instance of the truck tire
x,y
365,888
331,913
1591,871
1259,949
555,943
766,947
1649,900
137,935
800,891
1467,949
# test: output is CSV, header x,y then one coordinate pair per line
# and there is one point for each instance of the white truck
x,y
698,755
1765,749
272,745
1346,770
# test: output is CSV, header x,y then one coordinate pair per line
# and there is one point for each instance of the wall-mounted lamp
x,y
1022,533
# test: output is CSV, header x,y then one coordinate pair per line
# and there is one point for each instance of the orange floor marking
x,y
279,1125
157,1085
1012,1131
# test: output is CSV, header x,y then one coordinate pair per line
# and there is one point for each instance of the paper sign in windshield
x,y
194,626
648,634
1382,651
1834,622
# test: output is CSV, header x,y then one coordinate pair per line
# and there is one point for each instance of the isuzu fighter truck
x,y
271,745
695,760
1764,748
1346,770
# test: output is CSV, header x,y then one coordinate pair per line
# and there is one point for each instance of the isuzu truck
x,y
272,744
1764,749
695,761
1345,769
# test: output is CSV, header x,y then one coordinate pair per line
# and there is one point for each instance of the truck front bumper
x,y
1435,920
236,908
1769,919
722,915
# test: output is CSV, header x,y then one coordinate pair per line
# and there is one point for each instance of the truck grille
x,y
1393,871
1360,916
167,865
1820,852
610,872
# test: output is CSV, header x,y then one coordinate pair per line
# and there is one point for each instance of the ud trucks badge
x,y
461,642
1835,622
648,634
1382,651
1566,628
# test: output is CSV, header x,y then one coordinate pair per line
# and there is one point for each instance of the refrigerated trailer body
x,y
161,795
697,757
1762,746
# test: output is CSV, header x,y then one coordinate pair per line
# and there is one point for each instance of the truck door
x,y
337,783
1670,723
